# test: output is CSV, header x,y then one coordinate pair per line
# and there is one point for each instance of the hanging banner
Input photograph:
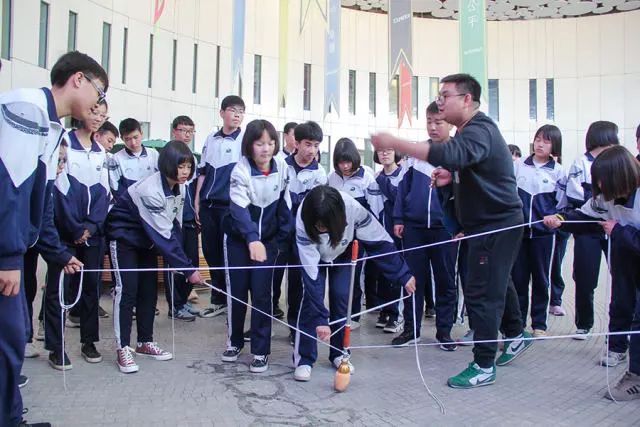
x,y
304,11
158,9
473,41
400,53
237,47
332,58
283,53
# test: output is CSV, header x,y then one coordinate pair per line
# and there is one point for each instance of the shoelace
x,y
260,358
127,356
154,348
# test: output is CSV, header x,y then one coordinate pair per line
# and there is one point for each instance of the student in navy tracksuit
x,y
588,247
220,153
615,203
418,220
183,129
30,135
305,173
259,222
134,162
288,149
356,180
145,222
326,224
388,179
81,200
540,181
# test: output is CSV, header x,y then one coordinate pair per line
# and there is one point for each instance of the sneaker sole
x,y
128,370
301,379
161,358
92,359
579,338
23,384
230,358
471,386
59,367
258,370
31,355
515,356
183,319
392,330
213,313
612,365
408,343
451,347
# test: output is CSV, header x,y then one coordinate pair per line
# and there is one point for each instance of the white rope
x,y
64,307
607,297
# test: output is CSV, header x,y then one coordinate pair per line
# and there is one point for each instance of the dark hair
x,y
615,173
638,132
254,132
109,127
231,101
601,134
308,130
289,126
433,108
173,155
324,205
465,83
396,157
129,125
181,120
553,134
514,150
73,62
346,151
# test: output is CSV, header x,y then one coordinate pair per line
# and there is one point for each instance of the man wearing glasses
x,y
477,172
30,136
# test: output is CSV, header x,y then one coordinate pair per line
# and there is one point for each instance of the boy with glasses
x,y
220,153
30,136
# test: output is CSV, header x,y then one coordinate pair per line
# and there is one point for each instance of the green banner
x,y
473,41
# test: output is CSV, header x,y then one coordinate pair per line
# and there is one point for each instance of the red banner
x,y
159,8
404,101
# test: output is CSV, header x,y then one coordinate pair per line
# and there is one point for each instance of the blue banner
x,y
332,59
237,47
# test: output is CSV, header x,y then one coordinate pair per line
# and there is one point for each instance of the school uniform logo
x,y
344,242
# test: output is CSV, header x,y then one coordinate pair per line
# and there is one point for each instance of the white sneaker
x,y
355,325
31,351
467,339
40,333
613,358
302,373
338,360
581,334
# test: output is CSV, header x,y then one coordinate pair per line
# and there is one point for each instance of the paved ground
x,y
557,382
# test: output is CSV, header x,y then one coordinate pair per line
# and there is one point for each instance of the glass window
x,y
434,88
150,71
494,99
306,96
194,77
72,35
217,87
43,46
533,99
352,91
257,79
6,29
372,94
394,88
125,42
173,64
106,45
550,100
414,96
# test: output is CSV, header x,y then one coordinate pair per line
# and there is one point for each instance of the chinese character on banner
x,y
472,5
473,20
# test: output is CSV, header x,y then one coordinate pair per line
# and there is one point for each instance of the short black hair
x,y
638,132
109,127
551,133
129,125
601,134
515,150
433,108
346,151
396,157
181,120
309,130
289,126
324,205
254,132
231,101
173,155
465,83
615,173
73,62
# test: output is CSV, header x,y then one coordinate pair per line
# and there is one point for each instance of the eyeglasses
x,y
238,111
441,99
101,94
102,117
186,131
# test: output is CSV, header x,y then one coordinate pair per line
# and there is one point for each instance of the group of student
x,y
258,207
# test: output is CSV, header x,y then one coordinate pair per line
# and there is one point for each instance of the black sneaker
x,y
430,313
292,338
278,313
23,381
102,313
382,320
404,339
24,423
90,353
57,361
259,364
247,336
231,354
446,343
393,326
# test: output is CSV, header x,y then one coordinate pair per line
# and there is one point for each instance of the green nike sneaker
x,y
473,376
514,348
